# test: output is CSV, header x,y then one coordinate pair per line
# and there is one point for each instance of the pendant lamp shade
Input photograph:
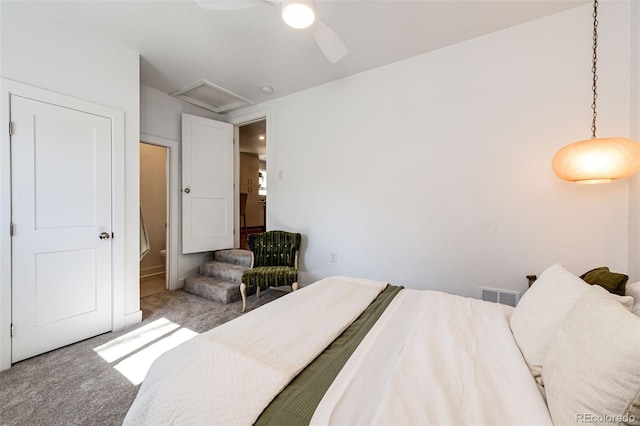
x,y
598,160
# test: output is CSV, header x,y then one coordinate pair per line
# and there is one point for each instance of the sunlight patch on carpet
x,y
136,366
137,349
134,340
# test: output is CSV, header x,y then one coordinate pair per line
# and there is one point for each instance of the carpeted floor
x,y
76,386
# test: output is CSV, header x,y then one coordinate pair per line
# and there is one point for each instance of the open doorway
x,y
252,188
153,218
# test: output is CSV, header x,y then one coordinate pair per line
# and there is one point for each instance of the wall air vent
x,y
209,96
506,297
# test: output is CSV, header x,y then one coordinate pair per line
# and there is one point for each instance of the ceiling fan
x,y
297,14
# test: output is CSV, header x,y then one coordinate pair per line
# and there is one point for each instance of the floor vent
x,y
209,96
505,297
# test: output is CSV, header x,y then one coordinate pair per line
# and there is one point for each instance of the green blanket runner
x,y
296,404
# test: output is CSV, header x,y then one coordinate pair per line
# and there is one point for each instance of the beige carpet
x,y
74,385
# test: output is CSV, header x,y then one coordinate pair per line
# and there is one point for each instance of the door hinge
x,y
11,229
11,330
10,128
112,236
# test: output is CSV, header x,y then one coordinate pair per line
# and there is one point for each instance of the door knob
x,y
187,190
104,236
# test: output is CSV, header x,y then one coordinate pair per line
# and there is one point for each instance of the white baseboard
x,y
152,271
179,284
132,319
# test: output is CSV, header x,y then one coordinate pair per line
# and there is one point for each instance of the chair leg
x,y
257,292
243,292
294,286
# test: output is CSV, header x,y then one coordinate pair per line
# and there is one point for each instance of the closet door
x,y
61,213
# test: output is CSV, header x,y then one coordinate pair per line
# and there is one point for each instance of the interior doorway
x,y
252,188
154,167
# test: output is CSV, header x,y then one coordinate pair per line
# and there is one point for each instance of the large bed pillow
x,y
591,372
541,311
633,290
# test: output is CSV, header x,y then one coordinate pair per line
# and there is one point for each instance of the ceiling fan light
x,y
298,14
598,160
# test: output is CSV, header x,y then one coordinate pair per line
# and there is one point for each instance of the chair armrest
x,y
253,259
295,261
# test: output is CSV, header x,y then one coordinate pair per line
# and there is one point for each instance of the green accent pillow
x,y
611,281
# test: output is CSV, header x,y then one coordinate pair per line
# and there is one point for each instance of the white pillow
x,y
591,372
541,311
633,290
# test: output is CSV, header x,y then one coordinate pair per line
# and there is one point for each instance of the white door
x,y
61,211
207,184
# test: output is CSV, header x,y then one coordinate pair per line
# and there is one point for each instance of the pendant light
x,y
597,160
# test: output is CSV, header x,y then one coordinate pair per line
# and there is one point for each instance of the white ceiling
x,y
241,50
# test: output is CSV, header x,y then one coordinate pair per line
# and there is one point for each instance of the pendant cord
x,y
594,67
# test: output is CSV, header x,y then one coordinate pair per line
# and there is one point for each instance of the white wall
x,y
160,116
46,52
435,172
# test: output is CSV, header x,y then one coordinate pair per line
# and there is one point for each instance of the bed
x,y
355,351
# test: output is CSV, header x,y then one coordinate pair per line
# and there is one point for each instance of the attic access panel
x,y
209,96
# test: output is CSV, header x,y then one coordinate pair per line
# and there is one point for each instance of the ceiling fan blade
x,y
330,44
228,4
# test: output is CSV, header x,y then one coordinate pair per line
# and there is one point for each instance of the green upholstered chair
x,y
274,262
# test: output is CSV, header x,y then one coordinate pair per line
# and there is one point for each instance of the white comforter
x,y
230,374
434,358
